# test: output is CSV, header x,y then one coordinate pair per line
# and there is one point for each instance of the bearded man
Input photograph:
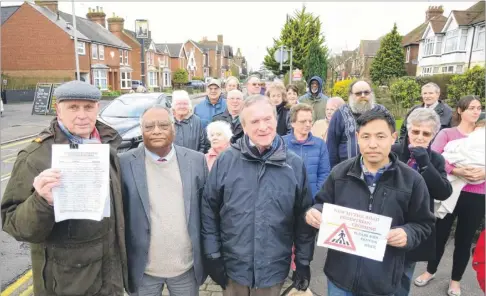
x,y
341,135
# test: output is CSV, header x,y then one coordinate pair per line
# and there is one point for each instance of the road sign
x,y
281,55
354,232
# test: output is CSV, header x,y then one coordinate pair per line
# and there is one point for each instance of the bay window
x,y
100,79
438,44
152,78
428,46
480,37
456,40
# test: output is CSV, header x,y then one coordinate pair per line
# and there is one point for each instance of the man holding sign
x,y
374,209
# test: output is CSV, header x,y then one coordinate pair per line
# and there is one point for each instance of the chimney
x,y
433,11
115,25
220,38
49,4
97,16
205,39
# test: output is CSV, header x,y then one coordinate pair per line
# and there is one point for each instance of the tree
x,y
298,32
181,77
341,89
316,61
389,60
469,83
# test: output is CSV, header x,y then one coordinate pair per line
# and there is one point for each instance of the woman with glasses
x,y
278,97
469,209
422,126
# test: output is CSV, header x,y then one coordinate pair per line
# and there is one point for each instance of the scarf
x,y
93,139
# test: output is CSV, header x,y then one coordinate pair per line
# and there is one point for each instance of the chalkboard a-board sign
x,y
41,98
52,100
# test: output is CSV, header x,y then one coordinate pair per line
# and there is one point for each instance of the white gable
x,y
451,24
428,32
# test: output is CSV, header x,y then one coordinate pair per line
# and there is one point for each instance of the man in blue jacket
x,y
252,210
376,182
213,104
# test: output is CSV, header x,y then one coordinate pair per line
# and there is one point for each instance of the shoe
x,y
420,283
451,292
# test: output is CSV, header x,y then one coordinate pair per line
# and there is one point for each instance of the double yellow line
x,y
23,280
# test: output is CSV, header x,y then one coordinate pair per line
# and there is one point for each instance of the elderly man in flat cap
x,y
72,257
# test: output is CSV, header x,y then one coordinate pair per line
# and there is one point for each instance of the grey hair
x,y
179,95
431,84
219,125
252,76
421,116
236,92
253,99
233,78
158,106
338,100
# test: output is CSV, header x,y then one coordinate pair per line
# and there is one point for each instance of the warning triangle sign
x,y
341,238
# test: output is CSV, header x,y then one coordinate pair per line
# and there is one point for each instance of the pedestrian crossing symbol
x,y
341,238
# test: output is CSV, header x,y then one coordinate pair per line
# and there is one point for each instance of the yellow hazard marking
x,y
16,143
10,290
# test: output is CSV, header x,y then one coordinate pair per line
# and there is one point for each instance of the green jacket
x,y
72,257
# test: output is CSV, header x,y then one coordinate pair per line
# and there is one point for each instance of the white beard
x,y
360,107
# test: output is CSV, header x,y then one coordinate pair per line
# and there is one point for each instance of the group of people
x,y
234,189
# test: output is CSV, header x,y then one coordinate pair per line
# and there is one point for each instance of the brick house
x,y
38,41
411,41
219,57
196,59
240,61
361,64
177,55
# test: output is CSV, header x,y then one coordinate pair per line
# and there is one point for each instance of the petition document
x,y
84,192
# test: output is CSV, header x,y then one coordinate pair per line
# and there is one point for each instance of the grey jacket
x,y
191,134
194,172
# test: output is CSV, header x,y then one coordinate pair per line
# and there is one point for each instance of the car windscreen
x,y
128,107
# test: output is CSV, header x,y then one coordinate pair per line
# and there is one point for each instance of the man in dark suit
x,y
161,186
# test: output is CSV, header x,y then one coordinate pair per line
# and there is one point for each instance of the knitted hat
x,y
77,90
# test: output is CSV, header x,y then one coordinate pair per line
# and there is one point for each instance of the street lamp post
x,y
78,77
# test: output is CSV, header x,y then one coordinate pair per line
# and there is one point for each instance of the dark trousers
x,y
469,211
235,289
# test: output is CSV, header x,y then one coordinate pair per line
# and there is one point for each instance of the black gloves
x,y
301,277
421,156
217,271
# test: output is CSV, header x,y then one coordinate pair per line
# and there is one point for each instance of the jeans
x,y
182,285
332,290
406,281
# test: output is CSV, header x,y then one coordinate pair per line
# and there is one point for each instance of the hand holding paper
x,y
397,238
45,182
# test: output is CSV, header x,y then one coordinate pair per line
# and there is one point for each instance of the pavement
x,y
15,256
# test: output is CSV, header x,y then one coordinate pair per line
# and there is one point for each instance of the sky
x,y
252,26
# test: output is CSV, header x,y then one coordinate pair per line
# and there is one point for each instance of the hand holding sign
x,y
313,217
397,238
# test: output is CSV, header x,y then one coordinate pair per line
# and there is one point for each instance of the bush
x,y
341,89
469,83
197,78
28,82
405,92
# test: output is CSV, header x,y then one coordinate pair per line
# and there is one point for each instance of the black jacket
x,y
401,194
439,188
236,127
191,134
442,109
283,120
252,212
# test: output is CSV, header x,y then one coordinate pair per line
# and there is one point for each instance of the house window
x,y
101,52
459,69
126,57
81,48
407,57
480,36
94,51
462,42
448,69
126,80
438,44
428,47
427,71
435,70
100,79
152,78
451,40
121,56
166,79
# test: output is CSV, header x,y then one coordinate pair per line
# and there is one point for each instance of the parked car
x,y
123,114
136,84
196,84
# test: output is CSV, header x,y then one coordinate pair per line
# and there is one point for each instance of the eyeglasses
x,y
149,127
425,134
362,93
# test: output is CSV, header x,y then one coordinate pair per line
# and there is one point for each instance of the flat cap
x,y
77,90
214,82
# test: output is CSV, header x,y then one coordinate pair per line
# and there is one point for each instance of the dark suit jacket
x,y
194,172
